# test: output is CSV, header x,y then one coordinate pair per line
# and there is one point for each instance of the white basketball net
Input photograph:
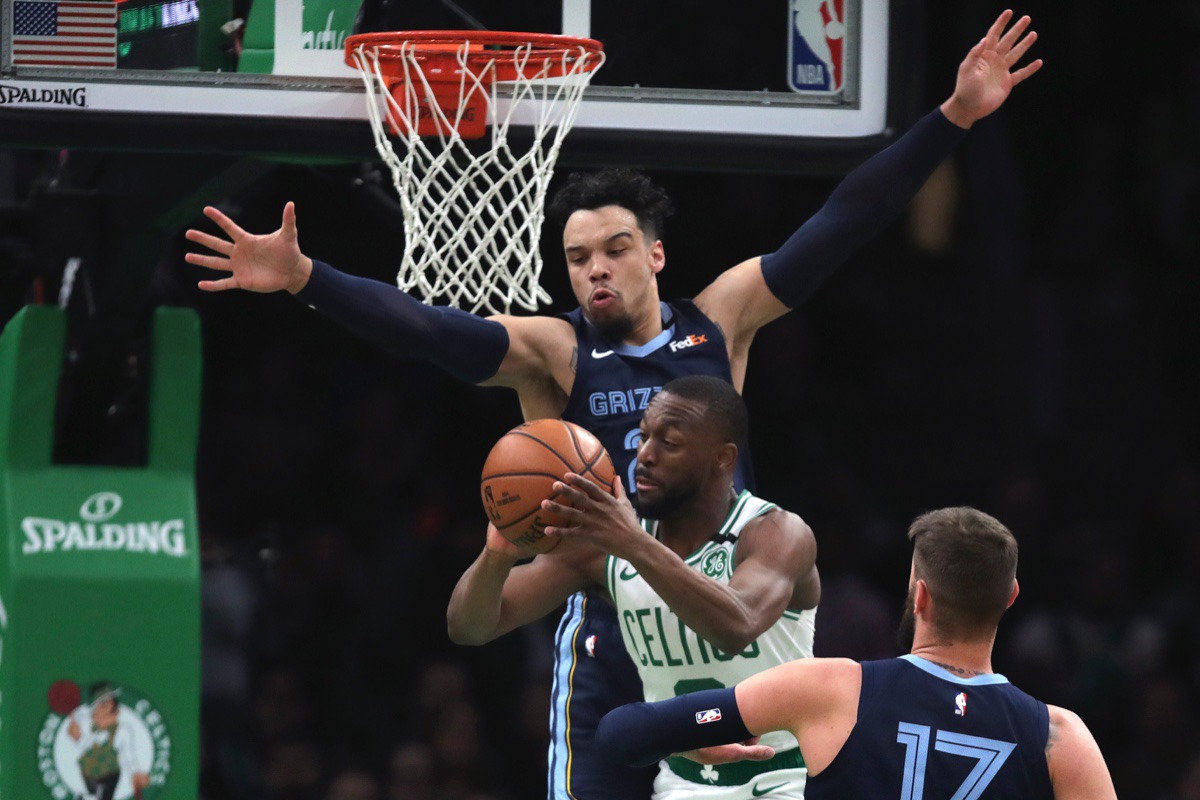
x,y
473,220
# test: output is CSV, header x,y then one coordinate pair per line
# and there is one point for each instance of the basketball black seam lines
x,y
547,446
587,465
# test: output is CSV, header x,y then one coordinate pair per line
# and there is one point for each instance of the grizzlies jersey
x,y
592,672
670,657
614,382
924,732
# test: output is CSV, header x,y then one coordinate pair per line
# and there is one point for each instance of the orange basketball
x,y
522,468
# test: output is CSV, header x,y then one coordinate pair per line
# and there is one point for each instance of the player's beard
x,y
906,633
614,329
669,501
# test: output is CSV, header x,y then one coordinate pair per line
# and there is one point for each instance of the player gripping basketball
x,y
725,586
601,364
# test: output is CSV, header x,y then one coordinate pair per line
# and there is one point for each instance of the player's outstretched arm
x,y
507,351
495,596
812,694
1077,768
753,293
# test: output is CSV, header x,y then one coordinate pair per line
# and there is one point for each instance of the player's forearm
x,y
468,347
865,202
714,611
640,734
474,614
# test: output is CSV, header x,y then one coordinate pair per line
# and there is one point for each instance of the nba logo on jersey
x,y
589,644
712,715
817,45
960,705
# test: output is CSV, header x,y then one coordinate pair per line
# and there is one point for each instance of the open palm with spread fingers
x,y
986,76
258,263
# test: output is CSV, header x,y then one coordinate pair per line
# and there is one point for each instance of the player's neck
x,y
963,659
690,527
647,325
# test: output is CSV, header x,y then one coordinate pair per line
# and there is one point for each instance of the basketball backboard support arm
x,y
281,115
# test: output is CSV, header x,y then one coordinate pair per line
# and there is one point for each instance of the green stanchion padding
x,y
99,584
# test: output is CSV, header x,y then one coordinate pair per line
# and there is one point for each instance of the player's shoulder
x,y
775,534
1076,765
777,521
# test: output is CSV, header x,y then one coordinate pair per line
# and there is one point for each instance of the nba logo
x,y
960,705
712,715
817,46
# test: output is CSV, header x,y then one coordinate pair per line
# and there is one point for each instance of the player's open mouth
x,y
602,298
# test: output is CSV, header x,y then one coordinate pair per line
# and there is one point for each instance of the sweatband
x,y
862,205
640,734
468,347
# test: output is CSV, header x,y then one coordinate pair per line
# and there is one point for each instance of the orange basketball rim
x,y
455,71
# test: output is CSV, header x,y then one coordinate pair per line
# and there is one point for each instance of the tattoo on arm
x,y
574,358
1052,738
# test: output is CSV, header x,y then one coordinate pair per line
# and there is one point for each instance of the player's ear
x,y
1012,598
727,456
921,597
658,256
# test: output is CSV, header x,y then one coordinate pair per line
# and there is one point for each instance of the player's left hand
x,y
603,519
986,76
749,750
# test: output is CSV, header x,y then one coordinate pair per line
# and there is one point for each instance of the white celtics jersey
x,y
670,657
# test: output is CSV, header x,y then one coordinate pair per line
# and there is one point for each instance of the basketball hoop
x,y
472,215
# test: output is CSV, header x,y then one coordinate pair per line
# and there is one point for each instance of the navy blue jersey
x,y
614,382
923,732
593,674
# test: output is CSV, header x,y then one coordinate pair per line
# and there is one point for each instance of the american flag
x,y
53,34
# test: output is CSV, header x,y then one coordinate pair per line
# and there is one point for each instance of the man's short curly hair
x,y
614,187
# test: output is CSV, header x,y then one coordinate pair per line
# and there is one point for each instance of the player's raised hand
x,y
987,76
266,263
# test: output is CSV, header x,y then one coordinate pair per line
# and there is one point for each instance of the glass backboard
x,y
680,83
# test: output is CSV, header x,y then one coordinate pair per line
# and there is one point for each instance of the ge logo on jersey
x,y
715,563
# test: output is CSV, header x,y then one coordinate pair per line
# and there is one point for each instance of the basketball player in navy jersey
x,y
599,366
935,723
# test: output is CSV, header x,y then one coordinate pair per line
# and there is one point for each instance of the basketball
x,y
522,468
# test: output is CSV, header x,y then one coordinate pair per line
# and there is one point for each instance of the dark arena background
x,y
1026,340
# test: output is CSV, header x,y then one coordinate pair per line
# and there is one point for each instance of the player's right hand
x,y
266,263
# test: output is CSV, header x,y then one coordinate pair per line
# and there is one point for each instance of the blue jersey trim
x,y
559,777
643,350
938,672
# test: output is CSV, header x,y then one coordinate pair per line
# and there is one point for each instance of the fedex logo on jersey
x,y
691,341
712,715
816,47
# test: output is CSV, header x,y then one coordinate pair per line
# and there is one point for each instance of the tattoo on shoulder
x,y
1053,737
574,358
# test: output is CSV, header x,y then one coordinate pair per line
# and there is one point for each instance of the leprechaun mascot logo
x,y
114,746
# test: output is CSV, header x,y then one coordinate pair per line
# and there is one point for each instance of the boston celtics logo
x,y
715,563
114,746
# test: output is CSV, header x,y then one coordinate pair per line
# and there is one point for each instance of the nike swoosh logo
x,y
628,577
597,354
759,792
